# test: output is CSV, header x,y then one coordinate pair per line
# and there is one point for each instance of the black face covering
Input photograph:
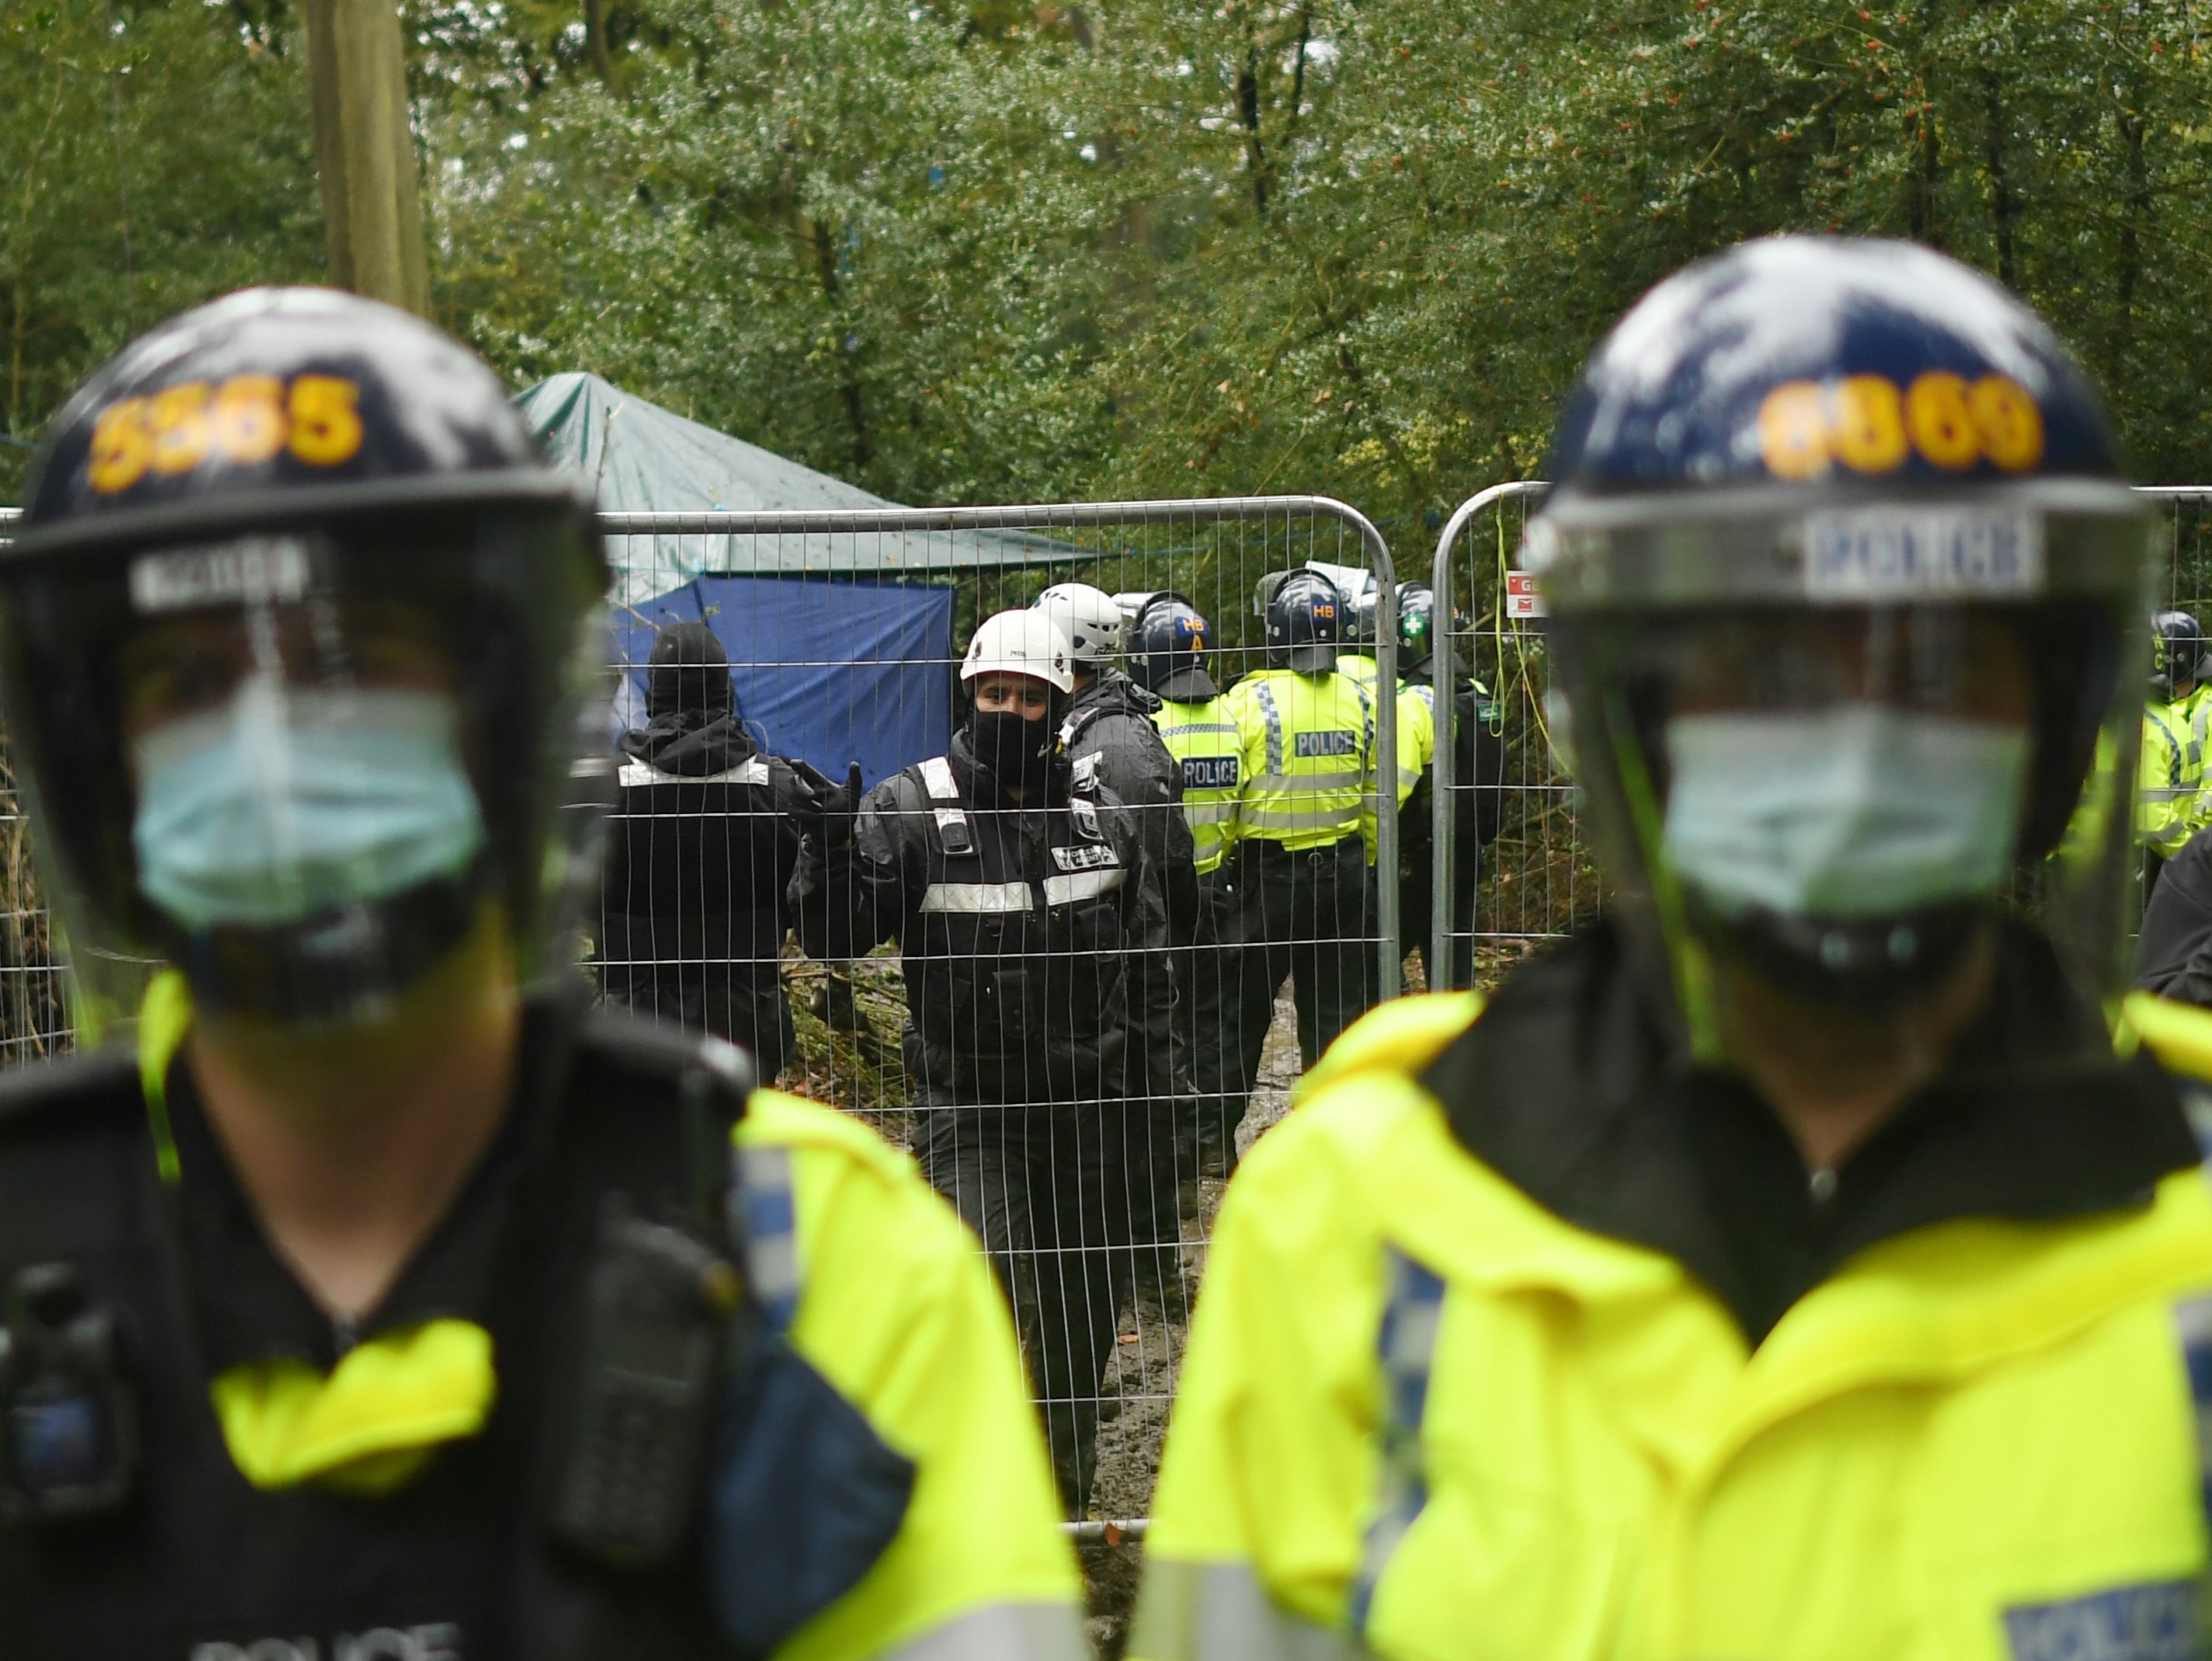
x,y
1018,752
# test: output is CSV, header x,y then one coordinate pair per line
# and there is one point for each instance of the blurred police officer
x,y
385,1302
1297,889
702,848
1788,1266
1477,794
1014,897
1168,658
2171,804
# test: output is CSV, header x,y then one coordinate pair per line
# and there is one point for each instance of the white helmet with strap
x,y
1020,643
1088,616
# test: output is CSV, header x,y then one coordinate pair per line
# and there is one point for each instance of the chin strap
x,y
164,1017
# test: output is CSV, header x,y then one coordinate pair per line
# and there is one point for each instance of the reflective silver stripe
x,y
937,776
1196,813
1082,886
1427,696
640,773
1274,717
961,897
1220,1612
1310,783
1289,819
1000,1632
771,1214
1227,728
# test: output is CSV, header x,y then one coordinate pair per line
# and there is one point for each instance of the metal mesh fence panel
x,y
1532,877
844,633
2187,561
1046,1065
35,1015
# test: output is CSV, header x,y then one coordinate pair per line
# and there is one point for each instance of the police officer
x,y
1014,897
1788,1266
1169,658
1477,781
1297,888
2171,804
386,1302
703,846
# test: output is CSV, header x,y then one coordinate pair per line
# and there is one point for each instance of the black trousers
x,y
1073,1209
1307,916
1416,891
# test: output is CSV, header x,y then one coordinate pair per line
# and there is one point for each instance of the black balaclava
x,y
1017,751
688,676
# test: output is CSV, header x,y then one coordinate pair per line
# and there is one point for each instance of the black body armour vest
x,y
1015,959
456,1565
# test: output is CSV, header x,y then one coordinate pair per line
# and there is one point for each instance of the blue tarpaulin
x,y
827,671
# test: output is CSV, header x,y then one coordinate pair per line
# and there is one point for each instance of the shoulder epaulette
x,y
2179,1034
1402,1036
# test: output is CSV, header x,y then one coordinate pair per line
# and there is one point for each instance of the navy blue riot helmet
x,y
298,632
1167,649
2177,652
1305,622
1847,591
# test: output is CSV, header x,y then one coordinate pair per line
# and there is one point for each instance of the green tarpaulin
x,y
643,459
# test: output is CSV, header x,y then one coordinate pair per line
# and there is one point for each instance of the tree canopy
x,y
990,251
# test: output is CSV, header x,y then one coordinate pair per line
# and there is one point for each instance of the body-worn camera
x,y
658,1305
69,1412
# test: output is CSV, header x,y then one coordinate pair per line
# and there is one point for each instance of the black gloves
x,y
828,812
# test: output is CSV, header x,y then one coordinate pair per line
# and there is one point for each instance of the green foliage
x,y
989,250
151,155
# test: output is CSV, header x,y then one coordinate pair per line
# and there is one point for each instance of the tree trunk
x,y
365,151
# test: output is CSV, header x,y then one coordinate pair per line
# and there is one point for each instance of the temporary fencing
x,y
1085,1174
1534,878
34,1017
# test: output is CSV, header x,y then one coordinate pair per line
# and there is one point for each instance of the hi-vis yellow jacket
x,y
1423,1418
2171,803
897,1307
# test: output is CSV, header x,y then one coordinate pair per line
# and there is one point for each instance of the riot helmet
x,y
1846,586
1417,609
1168,655
1089,619
1016,744
1304,624
2178,652
299,631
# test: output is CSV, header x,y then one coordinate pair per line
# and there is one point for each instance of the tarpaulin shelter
x,y
643,459
885,700
841,645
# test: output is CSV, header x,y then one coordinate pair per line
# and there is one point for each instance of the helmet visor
x,y
302,764
1851,784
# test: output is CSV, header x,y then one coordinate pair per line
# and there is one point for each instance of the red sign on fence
x,y
1522,599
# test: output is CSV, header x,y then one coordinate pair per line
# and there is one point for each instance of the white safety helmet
x,y
1088,616
1020,643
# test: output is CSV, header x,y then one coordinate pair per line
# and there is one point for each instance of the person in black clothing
x,y
1478,795
703,848
1014,897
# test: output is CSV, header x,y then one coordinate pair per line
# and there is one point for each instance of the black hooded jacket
x,y
1013,928
704,844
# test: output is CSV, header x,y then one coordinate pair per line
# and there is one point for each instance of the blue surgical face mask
x,y
288,802
1855,811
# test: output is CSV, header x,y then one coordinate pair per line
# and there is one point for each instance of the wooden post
x,y
371,208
